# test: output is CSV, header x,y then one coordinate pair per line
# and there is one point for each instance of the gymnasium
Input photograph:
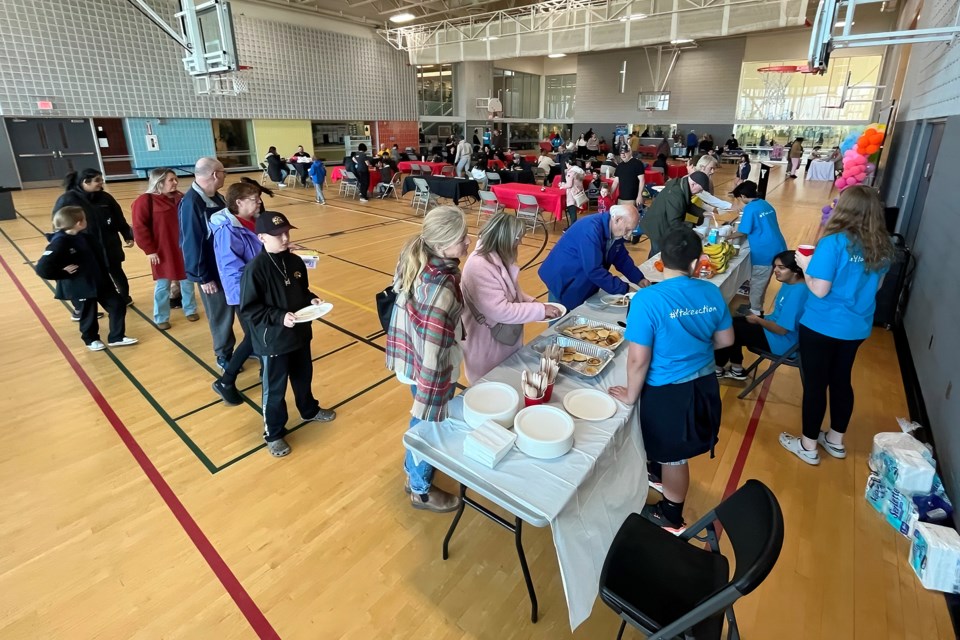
x,y
169,166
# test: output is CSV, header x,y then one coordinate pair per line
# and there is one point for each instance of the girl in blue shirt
x,y
777,332
673,329
843,275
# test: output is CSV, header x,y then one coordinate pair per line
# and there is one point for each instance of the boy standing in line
x,y
318,174
273,287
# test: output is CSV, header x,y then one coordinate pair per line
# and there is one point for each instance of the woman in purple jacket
x,y
235,244
492,296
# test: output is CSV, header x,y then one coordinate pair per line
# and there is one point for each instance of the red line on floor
x,y
220,569
734,480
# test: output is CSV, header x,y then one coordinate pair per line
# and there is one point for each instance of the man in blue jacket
x,y
196,241
579,264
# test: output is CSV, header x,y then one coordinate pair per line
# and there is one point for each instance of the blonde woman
x,y
708,201
157,233
573,184
492,296
843,275
422,341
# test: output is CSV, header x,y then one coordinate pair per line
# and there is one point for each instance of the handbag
x,y
506,334
581,199
386,300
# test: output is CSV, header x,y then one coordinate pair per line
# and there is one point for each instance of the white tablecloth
x,y
821,170
738,272
584,496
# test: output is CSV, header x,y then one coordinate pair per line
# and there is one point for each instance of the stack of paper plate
x,y
543,431
490,401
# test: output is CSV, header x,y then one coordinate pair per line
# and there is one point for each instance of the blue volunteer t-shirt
x,y
760,224
677,319
846,313
787,310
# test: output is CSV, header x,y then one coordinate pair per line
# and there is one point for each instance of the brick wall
x,y
403,133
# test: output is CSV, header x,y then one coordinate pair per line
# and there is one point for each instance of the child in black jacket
x,y
273,287
73,260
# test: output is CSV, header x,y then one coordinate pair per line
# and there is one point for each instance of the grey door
x,y
926,174
46,149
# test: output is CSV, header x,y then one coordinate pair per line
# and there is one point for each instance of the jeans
x,y
319,190
571,215
759,279
462,166
420,475
827,364
220,316
161,299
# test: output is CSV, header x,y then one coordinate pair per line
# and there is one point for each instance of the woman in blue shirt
x,y
673,329
843,275
777,332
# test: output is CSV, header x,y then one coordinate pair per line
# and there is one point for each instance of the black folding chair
x,y
669,588
791,358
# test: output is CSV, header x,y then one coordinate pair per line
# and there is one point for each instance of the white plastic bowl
x,y
491,401
544,432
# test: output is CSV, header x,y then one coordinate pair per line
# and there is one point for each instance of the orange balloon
x,y
870,131
876,138
872,149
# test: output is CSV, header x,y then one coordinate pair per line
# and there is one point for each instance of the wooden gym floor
x,y
136,505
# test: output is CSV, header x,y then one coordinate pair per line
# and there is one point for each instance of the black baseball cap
x,y
746,189
701,179
273,223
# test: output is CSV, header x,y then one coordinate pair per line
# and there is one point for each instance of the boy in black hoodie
x,y
274,286
77,264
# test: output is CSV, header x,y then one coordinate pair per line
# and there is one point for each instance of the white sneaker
x,y
96,345
794,445
125,342
835,450
281,185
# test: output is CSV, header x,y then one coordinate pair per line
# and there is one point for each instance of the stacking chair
x,y
489,205
349,185
791,358
393,187
493,178
292,173
528,210
421,196
448,171
418,169
264,176
669,588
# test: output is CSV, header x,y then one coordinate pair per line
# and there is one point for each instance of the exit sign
x,y
44,105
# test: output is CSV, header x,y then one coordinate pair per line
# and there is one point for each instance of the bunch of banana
x,y
719,254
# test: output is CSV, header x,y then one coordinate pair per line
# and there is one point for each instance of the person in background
x,y
794,155
157,233
673,329
423,347
661,163
544,164
731,144
573,183
479,172
629,178
671,206
691,143
477,144
363,172
395,153
579,264
743,170
664,149
384,152
300,161
492,296
776,333
318,174
634,143
385,166
77,263
708,164
609,166
277,168
759,224
843,275
604,201
274,286
582,146
235,244
593,144
201,201
104,221
462,157
815,154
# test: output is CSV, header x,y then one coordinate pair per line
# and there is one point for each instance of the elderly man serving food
x,y
579,264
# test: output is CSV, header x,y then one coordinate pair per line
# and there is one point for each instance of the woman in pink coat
x,y
492,294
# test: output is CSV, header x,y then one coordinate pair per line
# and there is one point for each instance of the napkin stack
x,y
488,443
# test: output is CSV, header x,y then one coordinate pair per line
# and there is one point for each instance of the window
x,y
435,89
232,141
559,97
518,92
654,101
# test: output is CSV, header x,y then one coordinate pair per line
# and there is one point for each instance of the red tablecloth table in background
x,y
529,159
647,150
336,175
551,200
586,185
676,170
653,177
435,167
495,164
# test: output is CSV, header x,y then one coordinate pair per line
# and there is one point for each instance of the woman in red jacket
x,y
157,232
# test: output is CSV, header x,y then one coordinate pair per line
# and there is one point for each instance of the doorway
x,y
232,140
46,149
117,162
934,135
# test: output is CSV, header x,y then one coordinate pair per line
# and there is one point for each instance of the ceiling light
x,y
636,16
557,55
489,38
681,41
842,23
406,16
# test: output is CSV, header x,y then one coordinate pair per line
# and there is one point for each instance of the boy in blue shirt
x,y
673,329
777,332
318,174
759,224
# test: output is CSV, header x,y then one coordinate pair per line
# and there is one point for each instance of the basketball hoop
x,y
776,79
229,83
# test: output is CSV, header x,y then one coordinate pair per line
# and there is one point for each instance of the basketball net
x,y
231,83
776,79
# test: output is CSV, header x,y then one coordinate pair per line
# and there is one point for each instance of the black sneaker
x,y
231,397
735,373
654,514
223,362
75,315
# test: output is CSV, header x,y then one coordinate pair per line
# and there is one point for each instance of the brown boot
x,y
438,501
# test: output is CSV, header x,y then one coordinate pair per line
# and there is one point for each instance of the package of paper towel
x,y
935,557
903,461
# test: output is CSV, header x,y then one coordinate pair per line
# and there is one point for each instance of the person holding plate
x,y
495,308
274,286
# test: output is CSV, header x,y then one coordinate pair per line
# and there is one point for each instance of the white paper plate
x,y
614,300
544,432
495,401
563,312
589,404
314,311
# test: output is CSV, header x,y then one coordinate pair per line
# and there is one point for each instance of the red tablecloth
x,y
586,185
647,150
336,175
550,199
653,177
530,159
676,170
436,167
495,164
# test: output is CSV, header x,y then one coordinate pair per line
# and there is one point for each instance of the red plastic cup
x,y
548,393
806,249
529,402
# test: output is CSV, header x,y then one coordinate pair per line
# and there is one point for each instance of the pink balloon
x,y
852,181
860,176
862,160
840,183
